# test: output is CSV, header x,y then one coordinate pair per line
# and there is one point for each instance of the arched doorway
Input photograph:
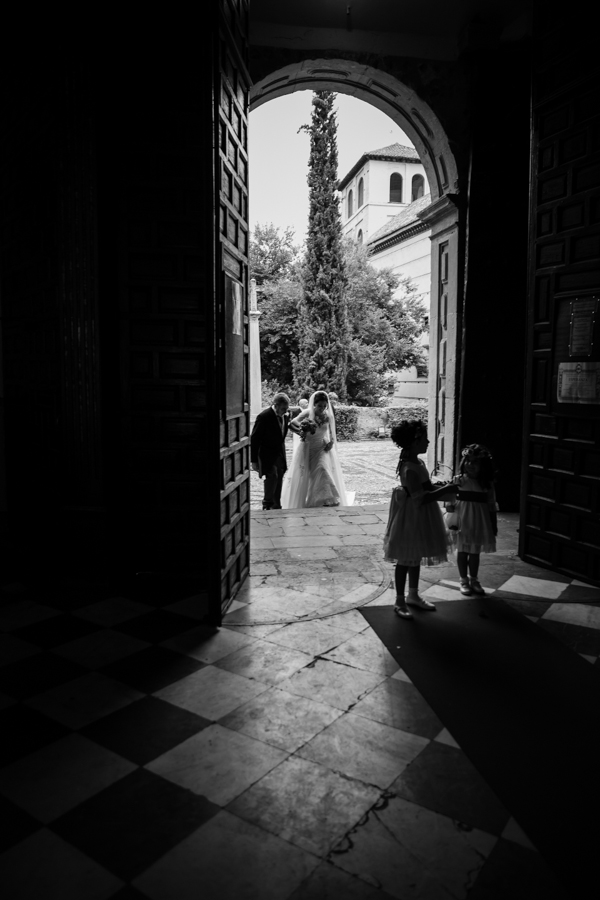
x,y
234,95
419,122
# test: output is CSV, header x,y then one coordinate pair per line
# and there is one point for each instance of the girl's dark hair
x,y
487,468
404,433
321,395
407,431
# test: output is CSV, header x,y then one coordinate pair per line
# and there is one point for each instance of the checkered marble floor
x,y
284,755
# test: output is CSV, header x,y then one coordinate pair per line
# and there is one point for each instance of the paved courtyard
x,y
309,563
369,469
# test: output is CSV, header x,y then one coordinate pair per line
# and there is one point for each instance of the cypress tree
x,y
323,332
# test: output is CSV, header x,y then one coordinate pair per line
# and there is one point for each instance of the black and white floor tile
x,y
145,755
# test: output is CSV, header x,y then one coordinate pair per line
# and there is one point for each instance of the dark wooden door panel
x,y
231,374
561,481
48,271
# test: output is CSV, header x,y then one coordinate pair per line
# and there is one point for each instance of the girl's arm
x,y
419,491
446,490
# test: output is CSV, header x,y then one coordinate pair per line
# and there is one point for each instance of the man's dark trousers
x,y
267,453
272,485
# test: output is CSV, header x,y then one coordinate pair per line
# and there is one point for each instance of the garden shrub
x,y
269,388
346,419
397,413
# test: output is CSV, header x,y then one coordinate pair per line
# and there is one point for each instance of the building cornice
x,y
397,237
439,210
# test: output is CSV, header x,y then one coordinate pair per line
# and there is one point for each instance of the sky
x,y
278,155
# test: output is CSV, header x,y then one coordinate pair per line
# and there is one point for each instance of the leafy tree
x,y
278,303
386,317
366,373
323,332
274,262
273,253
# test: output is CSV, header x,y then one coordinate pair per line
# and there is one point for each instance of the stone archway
x,y
416,118
400,103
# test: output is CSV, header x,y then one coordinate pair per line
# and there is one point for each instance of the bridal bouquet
x,y
306,427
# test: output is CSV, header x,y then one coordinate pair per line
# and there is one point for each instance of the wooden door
x,y
174,242
231,336
560,525
49,291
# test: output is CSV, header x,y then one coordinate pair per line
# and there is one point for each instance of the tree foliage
x,y
323,331
278,303
274,264
329,318
385,318
384,308
273,254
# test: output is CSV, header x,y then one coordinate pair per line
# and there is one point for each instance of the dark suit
x,y
267,450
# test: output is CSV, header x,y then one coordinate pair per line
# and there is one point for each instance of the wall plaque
x,y
578,382
581,331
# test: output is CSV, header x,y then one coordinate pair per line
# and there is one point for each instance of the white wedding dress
x,y
314,477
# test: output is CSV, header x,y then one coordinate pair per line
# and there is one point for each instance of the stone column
x,y
255,375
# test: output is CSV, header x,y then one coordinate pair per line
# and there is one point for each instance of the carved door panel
x,y
561,476
231,347
174,208
156,272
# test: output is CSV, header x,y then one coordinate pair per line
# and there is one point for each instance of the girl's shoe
x,y
465,588
476,587
415,600
403,612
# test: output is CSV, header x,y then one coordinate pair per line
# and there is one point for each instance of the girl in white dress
x,y
476,511
415,533
314,477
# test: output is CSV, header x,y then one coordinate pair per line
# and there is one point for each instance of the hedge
x,y
346,420
396,414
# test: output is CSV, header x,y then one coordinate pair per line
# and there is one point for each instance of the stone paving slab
x,y
362,520
314,540
262,543
344,528
311,553
333,560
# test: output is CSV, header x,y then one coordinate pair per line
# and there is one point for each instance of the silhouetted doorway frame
x,y
445,217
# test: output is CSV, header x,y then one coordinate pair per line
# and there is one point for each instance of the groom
x,y
267,448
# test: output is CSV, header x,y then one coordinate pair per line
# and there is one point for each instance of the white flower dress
x,y
415,533
476,530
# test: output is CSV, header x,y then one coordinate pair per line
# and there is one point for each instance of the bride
x,y
314,477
